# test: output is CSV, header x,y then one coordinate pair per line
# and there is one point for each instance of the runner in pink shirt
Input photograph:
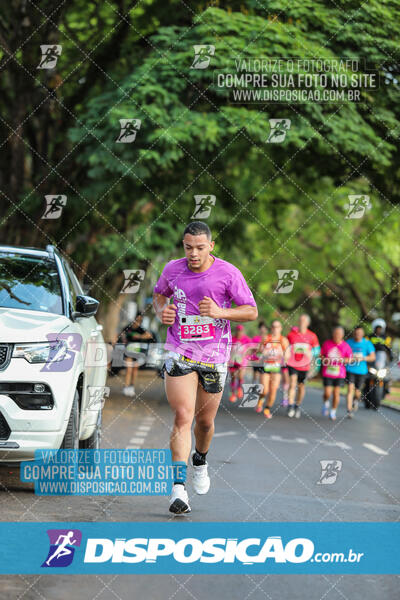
x,y
304,345
258,366
335,354
240,355
199,341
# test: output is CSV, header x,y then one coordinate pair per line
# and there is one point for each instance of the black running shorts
x,y
333,381
211,375
356,378
301,375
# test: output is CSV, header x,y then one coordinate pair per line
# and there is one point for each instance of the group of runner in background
x,y
276,358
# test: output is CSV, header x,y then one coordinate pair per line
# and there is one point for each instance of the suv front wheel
x,y
93,442
71,437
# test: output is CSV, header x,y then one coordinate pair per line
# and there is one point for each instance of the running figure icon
x,y
62,549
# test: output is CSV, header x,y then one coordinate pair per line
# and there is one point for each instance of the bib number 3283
x,y
195,327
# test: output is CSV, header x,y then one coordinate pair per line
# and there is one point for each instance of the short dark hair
x,y
198,228
261,324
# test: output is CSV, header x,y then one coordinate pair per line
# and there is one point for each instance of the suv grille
x,y
5,355
4,428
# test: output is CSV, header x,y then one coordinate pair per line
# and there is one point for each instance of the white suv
x,y
53,364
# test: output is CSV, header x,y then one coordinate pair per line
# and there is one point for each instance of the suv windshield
x,y
30,283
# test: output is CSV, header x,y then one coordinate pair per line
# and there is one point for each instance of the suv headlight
x,y
41,352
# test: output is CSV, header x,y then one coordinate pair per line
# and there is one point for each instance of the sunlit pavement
x,y
260,471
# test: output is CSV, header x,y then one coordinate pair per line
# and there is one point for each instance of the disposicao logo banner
x,y
179,547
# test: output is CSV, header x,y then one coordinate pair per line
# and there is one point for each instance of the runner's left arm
x,y
239,314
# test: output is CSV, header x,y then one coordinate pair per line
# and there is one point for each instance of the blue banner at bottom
x,y
179,547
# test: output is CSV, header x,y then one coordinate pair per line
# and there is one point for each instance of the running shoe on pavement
x,y
332,415
240,393
128,390
201,480
179,501
325,409
291,410
259,406
232,397
267,413
297,412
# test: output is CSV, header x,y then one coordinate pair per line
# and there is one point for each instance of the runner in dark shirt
x,y
134,332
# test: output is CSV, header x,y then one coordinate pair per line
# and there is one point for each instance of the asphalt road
x,y
265,470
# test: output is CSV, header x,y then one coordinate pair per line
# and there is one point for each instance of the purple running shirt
x,y
196,337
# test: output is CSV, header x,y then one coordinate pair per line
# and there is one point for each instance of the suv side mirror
x,y
86,306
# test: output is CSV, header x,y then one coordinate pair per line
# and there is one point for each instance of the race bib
x,y
196,327
133,347
333,370
299,351
272,355
359,356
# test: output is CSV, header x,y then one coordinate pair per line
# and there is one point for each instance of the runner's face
x,y
359,334
197,250
263,330
276,328
303,322
337,335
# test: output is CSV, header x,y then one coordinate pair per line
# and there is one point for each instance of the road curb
x,y
391,407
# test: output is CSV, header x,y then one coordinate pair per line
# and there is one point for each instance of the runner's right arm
x,y
165,311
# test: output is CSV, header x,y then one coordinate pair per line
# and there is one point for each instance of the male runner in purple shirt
x,y
198,342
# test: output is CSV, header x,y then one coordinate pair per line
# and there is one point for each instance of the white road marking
x,y
341,445
376,449
278,438
224,433
137,440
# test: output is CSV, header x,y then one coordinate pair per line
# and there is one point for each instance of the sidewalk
x,y
391,401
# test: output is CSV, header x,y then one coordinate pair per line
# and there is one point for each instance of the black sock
x,y
199,458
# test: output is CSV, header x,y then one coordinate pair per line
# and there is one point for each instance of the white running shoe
x,y
201,480
125,390
291,411
128,390
179,501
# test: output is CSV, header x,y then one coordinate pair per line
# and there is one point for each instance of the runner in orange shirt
x,y
273,349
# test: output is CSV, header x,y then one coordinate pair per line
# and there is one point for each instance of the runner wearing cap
x,y
203,288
